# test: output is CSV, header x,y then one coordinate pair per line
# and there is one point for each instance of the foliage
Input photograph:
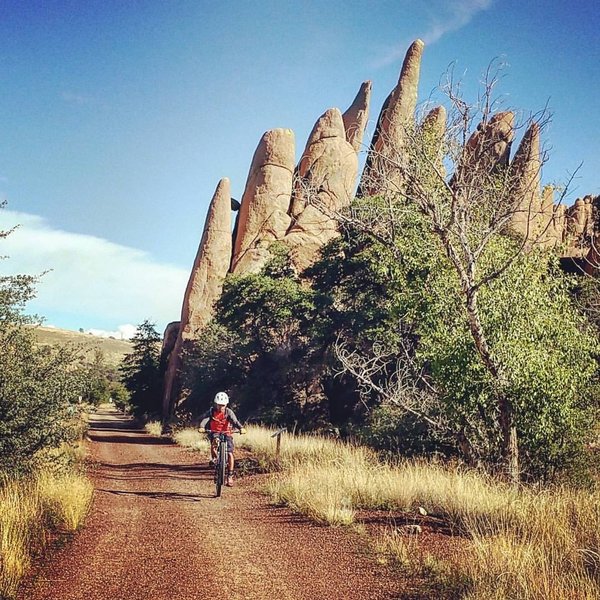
x,y
119,394
38,385
141,372
216,360
101,380
258,346
544,348
269,309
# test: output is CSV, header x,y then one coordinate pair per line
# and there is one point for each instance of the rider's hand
x,y
242,430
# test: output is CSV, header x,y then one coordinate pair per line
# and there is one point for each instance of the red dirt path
x,y
156,532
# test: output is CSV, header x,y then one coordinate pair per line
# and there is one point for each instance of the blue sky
x,y
118,118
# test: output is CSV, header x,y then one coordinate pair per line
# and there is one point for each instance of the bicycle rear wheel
x,y
221,467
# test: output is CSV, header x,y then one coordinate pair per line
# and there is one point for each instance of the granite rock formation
x,y
486,150
325,180
169,339
389,138
204,286
297,206
357,115
526,170
263,215
434,128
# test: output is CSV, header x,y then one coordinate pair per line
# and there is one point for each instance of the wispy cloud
x,y
93,283
451,16
79,99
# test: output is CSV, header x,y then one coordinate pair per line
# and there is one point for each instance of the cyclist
x,y
221,419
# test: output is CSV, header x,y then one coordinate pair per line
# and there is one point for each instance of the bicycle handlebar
x,y
219,433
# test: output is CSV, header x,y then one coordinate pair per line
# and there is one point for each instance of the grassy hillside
x,y
114,350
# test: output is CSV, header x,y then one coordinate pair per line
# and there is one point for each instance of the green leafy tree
x,y
119,395
268,314
141,372
218,359
419,355
38,385
98,377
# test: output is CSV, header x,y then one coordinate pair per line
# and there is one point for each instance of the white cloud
x,y
451,16
123,332
90,280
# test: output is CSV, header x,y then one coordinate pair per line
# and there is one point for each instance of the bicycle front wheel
x,y
221,467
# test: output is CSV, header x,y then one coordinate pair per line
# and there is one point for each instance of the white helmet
x,y
222,399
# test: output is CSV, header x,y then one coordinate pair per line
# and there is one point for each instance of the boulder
x,y
204,287
356,116
389,139
263,215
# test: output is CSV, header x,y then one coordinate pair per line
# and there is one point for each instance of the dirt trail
x,y
156,532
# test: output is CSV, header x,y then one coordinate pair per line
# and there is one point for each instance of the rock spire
x,y
263,215
204,286
389,139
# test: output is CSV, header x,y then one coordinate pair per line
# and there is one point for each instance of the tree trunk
x,y
510,447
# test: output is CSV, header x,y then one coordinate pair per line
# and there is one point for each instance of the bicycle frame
x,y
221,464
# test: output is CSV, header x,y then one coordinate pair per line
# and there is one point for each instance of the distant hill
x,y
114,350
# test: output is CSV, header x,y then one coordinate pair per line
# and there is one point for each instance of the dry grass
x,y
29,510
192,439
113,350
524,544
154,428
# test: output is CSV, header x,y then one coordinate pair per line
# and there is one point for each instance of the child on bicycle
x,y
220,419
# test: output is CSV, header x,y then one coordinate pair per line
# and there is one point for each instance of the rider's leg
x,y
214,445
230,460
230,465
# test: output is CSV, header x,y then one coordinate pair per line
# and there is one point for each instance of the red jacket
x,y
221,421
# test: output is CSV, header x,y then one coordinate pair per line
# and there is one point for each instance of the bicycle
x,y
221,463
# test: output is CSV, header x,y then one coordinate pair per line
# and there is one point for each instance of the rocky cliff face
x,y
297,205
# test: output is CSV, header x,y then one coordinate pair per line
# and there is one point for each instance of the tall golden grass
x,y
523,543
30,509
153,428
53,500
519,544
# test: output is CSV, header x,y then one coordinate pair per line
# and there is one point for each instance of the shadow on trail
x,y
142,471
116,421
143,439
161,495
106,423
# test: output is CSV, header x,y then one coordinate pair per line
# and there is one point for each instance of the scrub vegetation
x,y
535,543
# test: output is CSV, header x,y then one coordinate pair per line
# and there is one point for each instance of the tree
x,y
140,370
268,313
479,222
98,377
37,385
